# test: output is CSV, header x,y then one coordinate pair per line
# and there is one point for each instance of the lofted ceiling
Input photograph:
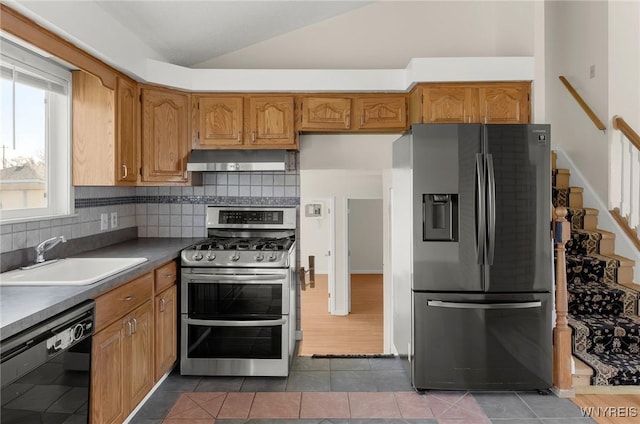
x,y
191,32
292,34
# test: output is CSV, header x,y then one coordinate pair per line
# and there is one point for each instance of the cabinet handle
x,y
169,275
253,136
129,298
348,123
239,136
129,328
135,326
125,171
361,120
162,304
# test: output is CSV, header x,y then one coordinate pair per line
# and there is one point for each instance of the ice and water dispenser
x,y
440,220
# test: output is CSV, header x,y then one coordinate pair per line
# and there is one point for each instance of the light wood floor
x,y
611,409
360,332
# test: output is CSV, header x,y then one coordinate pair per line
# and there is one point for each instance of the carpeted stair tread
x,y
584,242
591,268
582,217
594,297
598,334
612,369
567,196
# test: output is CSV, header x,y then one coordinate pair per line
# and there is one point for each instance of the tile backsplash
x,y
157,211
180,211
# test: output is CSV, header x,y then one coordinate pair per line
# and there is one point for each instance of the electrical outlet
x,y
114,219
104,221
592,71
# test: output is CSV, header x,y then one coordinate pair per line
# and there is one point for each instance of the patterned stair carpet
x,y
602,313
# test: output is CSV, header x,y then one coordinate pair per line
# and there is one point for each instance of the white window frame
x,y
18,54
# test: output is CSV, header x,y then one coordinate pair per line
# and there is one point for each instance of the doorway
x,y
342,167
344,313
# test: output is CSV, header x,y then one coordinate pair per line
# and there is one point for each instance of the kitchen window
x,y
34,134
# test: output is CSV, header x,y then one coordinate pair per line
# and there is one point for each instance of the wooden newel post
x,y
562,380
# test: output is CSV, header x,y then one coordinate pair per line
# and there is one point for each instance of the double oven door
x,y
235,321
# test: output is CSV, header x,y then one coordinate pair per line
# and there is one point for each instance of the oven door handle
x,y
234,278
220,323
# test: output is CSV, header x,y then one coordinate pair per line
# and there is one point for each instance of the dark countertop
x,y
23,307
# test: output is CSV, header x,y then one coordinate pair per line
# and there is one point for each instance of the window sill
x,y
36,218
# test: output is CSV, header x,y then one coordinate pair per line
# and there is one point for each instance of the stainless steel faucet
x,y
47,245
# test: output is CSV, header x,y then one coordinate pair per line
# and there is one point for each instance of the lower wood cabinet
x,y
166,329
135,343
122,368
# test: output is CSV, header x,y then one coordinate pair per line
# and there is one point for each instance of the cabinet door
x,y
126,140
448,105
92,131
271,122
326,113
166,329
107,401
220,121
504,103
138,353
379,113
165,136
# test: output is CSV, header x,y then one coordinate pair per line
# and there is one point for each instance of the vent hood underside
x,y
241,160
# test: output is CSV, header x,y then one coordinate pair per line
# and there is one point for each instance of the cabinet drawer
x,y
165,276
120,301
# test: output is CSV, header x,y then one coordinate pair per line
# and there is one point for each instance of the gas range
x,y
244,237
238,294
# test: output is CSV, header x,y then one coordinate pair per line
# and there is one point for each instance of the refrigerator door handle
x,y
470,305
491,210
480,209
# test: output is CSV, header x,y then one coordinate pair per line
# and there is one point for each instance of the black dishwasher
x,y
46,370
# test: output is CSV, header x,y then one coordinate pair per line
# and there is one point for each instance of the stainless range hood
x,y
241,160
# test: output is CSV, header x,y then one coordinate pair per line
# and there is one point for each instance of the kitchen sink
x,y
68,272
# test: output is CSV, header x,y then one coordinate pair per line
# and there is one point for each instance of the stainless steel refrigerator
x,y
471,256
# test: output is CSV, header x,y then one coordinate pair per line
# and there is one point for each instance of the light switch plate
x,y
114,219
104,221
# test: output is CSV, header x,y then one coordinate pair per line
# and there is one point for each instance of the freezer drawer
x,y
481,342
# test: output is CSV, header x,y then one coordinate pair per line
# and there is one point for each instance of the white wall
x,y
576,38
365,236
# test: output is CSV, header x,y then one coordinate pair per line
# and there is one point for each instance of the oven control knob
x,y
235,257
197,256
211,256
259,257
272,257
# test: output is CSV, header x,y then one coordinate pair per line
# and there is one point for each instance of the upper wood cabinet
x,y
221,120
356,112
507,103
270,122
326,113
105,143
126,130
492,103
235,121
165,135
449,105
381,113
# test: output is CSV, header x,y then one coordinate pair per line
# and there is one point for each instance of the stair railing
x,y
562,379
626,166
597,122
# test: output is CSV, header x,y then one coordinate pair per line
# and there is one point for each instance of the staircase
x,y
602,298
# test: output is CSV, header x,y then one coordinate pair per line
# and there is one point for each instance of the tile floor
x,y
342,391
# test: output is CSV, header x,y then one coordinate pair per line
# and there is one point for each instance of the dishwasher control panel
x,y
70,335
